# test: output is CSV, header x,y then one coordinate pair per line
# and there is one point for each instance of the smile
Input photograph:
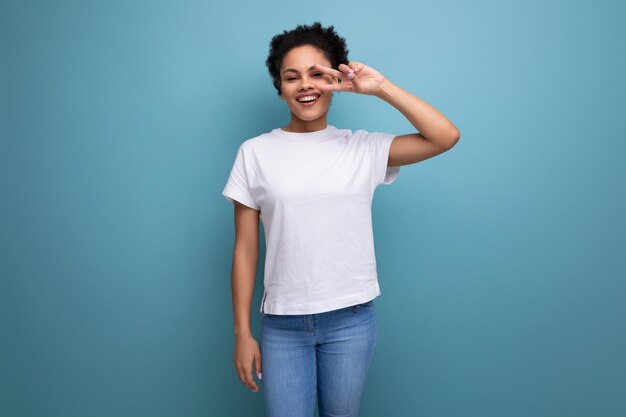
x,y
308,100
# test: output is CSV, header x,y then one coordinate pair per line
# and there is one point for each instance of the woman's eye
x,y
317,74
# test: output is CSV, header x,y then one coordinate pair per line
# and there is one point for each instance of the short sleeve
x,y
380,143
238,184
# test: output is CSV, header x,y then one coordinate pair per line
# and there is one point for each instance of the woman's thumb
x,y
257,366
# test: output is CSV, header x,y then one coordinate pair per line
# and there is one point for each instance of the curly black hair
x,y
326,39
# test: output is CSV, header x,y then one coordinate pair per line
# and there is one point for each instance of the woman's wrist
x,y
242,333
385,90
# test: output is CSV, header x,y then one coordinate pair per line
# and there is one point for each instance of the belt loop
x,y
354,309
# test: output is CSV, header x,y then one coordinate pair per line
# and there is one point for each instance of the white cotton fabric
x,y
314,191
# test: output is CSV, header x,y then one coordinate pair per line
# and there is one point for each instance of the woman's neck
x,y
302,126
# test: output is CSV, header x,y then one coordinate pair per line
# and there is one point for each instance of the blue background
x,y
501,262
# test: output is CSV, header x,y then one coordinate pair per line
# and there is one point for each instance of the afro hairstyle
x,y
325,39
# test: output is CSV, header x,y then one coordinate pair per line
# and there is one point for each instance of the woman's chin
x,y
308,116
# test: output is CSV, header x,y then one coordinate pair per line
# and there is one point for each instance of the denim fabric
x,y
325,356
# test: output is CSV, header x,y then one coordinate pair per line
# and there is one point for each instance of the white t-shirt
x,y
314,191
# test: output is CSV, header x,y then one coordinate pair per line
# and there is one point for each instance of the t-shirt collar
x,y
318,134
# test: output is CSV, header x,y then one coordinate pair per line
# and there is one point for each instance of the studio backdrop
x,y
501,263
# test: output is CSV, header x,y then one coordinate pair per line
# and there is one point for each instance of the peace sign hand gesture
x,y
355,77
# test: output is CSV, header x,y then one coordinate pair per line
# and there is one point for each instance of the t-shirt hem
x,y
390,173
322,307
233,193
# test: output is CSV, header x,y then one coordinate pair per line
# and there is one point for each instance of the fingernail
x,y
350,75
260,375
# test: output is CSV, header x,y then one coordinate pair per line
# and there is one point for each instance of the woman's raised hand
x,y
355,77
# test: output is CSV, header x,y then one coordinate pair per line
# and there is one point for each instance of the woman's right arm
x,y
245,260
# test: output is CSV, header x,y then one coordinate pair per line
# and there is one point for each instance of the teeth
x,y
307,98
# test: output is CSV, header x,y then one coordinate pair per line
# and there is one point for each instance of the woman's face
x,y
297,78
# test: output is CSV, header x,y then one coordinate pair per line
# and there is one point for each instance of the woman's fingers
x,y
329,70
345,68
249,380
242,374
245,374
345,76
257,365
245,356
343,86
352,69
356,66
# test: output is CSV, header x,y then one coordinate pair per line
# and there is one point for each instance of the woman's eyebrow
x,y
295,70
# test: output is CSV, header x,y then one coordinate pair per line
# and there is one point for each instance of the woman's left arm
x,y
436,133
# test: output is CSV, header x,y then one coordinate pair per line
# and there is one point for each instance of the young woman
x,y
312,186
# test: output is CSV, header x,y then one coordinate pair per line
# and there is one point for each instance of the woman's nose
x,y
305,83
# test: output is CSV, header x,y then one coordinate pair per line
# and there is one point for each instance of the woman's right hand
x,y
246,354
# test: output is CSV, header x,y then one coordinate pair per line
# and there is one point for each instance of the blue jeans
x,y
325,356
